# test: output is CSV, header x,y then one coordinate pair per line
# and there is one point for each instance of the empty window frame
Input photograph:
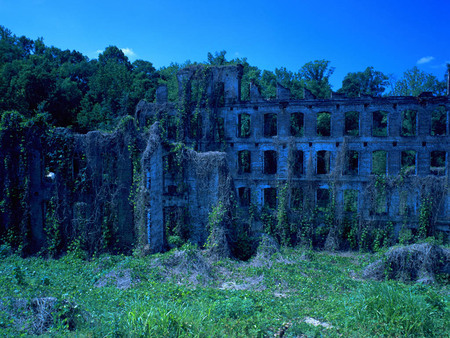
x,y
244,125
408,166
439,121
380,123
324,124
220,130
244,162
270,125
270,197
270,162
195,126
296,198
350,200
323,162
409,122
171,126
352,166
244,196
437,163
322,199
351,123
297,124
379,162
297,165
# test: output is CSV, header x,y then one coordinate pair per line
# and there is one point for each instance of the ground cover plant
x,y
282,292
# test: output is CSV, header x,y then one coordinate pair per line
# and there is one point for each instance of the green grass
x,y
169,297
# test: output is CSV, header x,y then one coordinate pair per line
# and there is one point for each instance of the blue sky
x,y
391,36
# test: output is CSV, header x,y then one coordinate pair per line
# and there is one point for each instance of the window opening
x,y
244,196
195,127
171,127
379,162
350,200
243,125
270,197
270,162
351,123
352,163
409,122
297,124
323,199
323,162
298,163
244,162
296,198
439,121
408,162
220,131
380,123
437,163
270,125
324,124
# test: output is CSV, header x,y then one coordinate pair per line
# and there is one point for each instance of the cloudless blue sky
x,y
391,36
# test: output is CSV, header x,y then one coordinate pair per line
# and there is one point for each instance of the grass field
x,y
291,293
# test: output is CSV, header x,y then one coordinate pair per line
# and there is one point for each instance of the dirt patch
x,y
121,279
416,262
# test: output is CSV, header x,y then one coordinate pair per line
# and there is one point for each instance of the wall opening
x,y
297,124
298,163
244,125
409,122
379,162
244,196
324,124
408,162
352,167
195,127
322,199
270,162
175,221
380,123
270,198
323,162
270,125
170,164
350,200
220,129
244,162
171,126
296,198
351,123
437,163
439,121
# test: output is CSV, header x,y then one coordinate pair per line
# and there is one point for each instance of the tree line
x,y
74,91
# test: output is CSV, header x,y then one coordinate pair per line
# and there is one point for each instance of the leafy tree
x,y
290,80
368,82
415,81
316,75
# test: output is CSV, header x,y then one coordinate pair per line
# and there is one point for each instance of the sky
x,y
390,35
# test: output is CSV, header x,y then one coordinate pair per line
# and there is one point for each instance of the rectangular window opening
x,y
350,200
244,162
351,123
244,196
324,124
297,124
270,162
408,162
270,197
380,123
298,163
270,125
323,162
437,163
379,162
323,199
352,163
439,121
409,122
244,125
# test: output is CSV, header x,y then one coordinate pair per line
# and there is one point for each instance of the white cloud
x,y
128,52
425,59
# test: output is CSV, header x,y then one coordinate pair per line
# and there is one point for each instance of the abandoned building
x,y
376,158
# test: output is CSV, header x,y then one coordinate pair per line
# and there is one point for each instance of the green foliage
x,y
425,218
415,81
369,82
316,76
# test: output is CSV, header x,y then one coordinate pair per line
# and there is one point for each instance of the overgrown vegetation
x,y
184,293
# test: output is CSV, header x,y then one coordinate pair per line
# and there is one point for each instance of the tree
x,y
369,82
316,75
415,81
290,80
